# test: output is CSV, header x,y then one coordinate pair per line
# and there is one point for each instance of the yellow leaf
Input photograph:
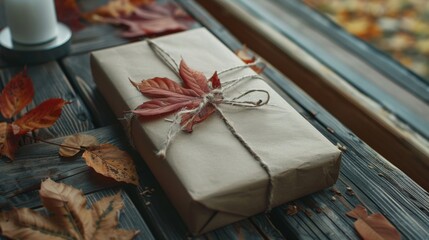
x,y
110,161
73,144
69,218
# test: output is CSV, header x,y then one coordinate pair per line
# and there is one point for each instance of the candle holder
x,y
35,53
33,34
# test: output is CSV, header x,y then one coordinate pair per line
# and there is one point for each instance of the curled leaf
x,y
69,217
17,94
110,161
72,145
43,116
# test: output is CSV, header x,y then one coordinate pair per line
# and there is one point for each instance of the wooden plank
x,y
50,82
129,217
78,70
96,36
375,182
20,179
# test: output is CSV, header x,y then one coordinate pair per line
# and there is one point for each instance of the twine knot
x,y
216,97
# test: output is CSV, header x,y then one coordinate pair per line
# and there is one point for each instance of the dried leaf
x,y
68,12
43,116
110,161
73,144
161,106
8,141
247,58
143,19
193,79
163,87
17,94
170,97
69,218
374,226
26,223
116,9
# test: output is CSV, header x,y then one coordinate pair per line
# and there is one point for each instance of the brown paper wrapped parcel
x,y
208,175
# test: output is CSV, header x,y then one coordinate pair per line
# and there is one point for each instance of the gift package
x,y
211,176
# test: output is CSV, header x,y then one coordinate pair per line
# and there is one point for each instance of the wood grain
x,y
78,70
21,178
50,82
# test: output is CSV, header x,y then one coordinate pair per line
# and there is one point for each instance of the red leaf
x,y
374,226
203,115
163,87
165,25
193,79
17,94
162,106
68,12
8,141
143,19
43,116
215,81
170,97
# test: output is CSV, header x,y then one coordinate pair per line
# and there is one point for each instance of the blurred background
x,y
400,28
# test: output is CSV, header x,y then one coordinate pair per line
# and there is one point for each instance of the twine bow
x,y
215,97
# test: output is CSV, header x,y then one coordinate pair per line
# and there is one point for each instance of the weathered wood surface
x,y
129,217
374,182
50,82
78,71
21,178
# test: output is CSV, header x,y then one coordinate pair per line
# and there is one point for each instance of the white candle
x,y
31,21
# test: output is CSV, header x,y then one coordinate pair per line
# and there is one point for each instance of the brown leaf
x,y
106,211
67,203
43,116
8,140
374,226
17,94
358,212
116,9
73,144
247,58
110,161
26,223
68,219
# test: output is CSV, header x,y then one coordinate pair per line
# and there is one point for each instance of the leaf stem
x,y
57,144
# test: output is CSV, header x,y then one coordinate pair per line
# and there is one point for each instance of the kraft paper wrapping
x,y
208,175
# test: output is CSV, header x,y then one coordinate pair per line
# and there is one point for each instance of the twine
x,y
215,98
